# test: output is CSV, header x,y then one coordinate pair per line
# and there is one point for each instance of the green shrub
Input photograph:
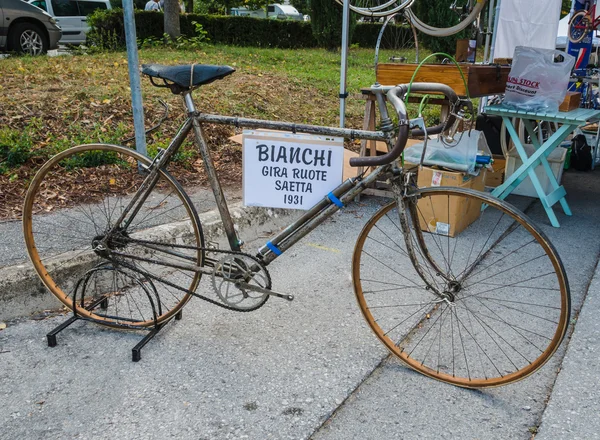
x,y
15,148
437,13
365,35
107,31
326,22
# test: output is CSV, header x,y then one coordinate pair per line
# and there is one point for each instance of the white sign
x,y
284,170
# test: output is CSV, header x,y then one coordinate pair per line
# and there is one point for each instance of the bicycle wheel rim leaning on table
x,y
485,307
61,233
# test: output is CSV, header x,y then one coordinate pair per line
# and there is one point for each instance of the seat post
x,y
189,102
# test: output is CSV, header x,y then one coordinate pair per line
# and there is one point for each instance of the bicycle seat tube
x,y
215,184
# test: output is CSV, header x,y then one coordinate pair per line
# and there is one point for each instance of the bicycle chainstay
x,y
206,250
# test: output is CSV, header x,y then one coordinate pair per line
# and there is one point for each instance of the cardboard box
x,y
496,178
481,80
435,215
571,102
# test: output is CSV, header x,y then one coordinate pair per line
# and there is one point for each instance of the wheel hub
x,y
452,289
116,240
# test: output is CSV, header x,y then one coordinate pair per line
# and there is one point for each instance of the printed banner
x,y
296,171
582,50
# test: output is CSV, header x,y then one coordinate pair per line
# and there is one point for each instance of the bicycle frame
x,y
321,211
594,22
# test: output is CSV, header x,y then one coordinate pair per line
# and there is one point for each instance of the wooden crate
x,y
481,80
571,102
496,178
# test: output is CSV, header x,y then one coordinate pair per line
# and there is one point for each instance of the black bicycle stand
x,y
136,352
102,302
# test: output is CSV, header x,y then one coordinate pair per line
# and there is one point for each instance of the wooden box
x,y
481,80
571,102
496,178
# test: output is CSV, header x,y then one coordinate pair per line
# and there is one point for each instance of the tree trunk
x,y
172,10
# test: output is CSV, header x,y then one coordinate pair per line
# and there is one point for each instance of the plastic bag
x,y
538,79
459,156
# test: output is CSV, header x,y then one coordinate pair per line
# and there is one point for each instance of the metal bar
x,y
301,229
287,126
323,203
150,181
182,266
494,37
213,178
51,337
488,34
344,61
136,352
134,77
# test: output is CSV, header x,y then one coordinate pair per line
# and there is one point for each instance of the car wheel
x,y
28,38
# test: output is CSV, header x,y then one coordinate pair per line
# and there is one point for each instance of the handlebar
x,y
395,96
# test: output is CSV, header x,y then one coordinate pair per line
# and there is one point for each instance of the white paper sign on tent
x,y
532,23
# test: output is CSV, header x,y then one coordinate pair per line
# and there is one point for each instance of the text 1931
x,y
292,199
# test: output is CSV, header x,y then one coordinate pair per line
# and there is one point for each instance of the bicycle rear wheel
x,y
579,26
61,234
477,304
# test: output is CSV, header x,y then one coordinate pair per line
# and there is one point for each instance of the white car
x,y
71,16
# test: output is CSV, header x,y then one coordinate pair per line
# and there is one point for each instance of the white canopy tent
x,y
526,23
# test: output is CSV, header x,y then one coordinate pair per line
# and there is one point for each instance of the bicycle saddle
x,y
185,77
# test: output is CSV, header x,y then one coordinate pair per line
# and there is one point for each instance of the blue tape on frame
x,y
274,248
335,200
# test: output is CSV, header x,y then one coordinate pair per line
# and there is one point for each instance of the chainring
x,y
236,267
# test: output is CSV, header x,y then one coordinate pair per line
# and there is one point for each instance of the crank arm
x,y
242,285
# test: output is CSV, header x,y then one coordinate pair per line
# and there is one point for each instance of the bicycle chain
x,y
206,250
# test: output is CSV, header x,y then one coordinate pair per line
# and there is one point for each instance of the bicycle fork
x,y
407,207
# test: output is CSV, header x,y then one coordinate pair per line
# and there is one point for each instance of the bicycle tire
x,y
442,309
579,25
445,32
61,233
377,9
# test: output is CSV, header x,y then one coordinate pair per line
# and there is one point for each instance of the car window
x,y
86,8
65,8
40,4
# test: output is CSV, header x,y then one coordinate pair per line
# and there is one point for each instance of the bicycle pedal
x,y
263,290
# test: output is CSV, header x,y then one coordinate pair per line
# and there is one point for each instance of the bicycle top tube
x,y
183,79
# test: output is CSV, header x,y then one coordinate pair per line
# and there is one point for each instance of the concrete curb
x,y
22,293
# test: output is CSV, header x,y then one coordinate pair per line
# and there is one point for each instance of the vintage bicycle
x,y
583,22
476,300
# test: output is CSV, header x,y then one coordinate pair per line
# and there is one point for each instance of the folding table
x,y
568,121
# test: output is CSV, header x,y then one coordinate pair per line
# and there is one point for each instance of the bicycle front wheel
x,y
461,287
579,26
62,234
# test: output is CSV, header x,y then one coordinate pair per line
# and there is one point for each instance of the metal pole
x,y
134,77
345,35
496,19
489,32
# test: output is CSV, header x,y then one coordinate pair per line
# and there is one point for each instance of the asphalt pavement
x,y
306,369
